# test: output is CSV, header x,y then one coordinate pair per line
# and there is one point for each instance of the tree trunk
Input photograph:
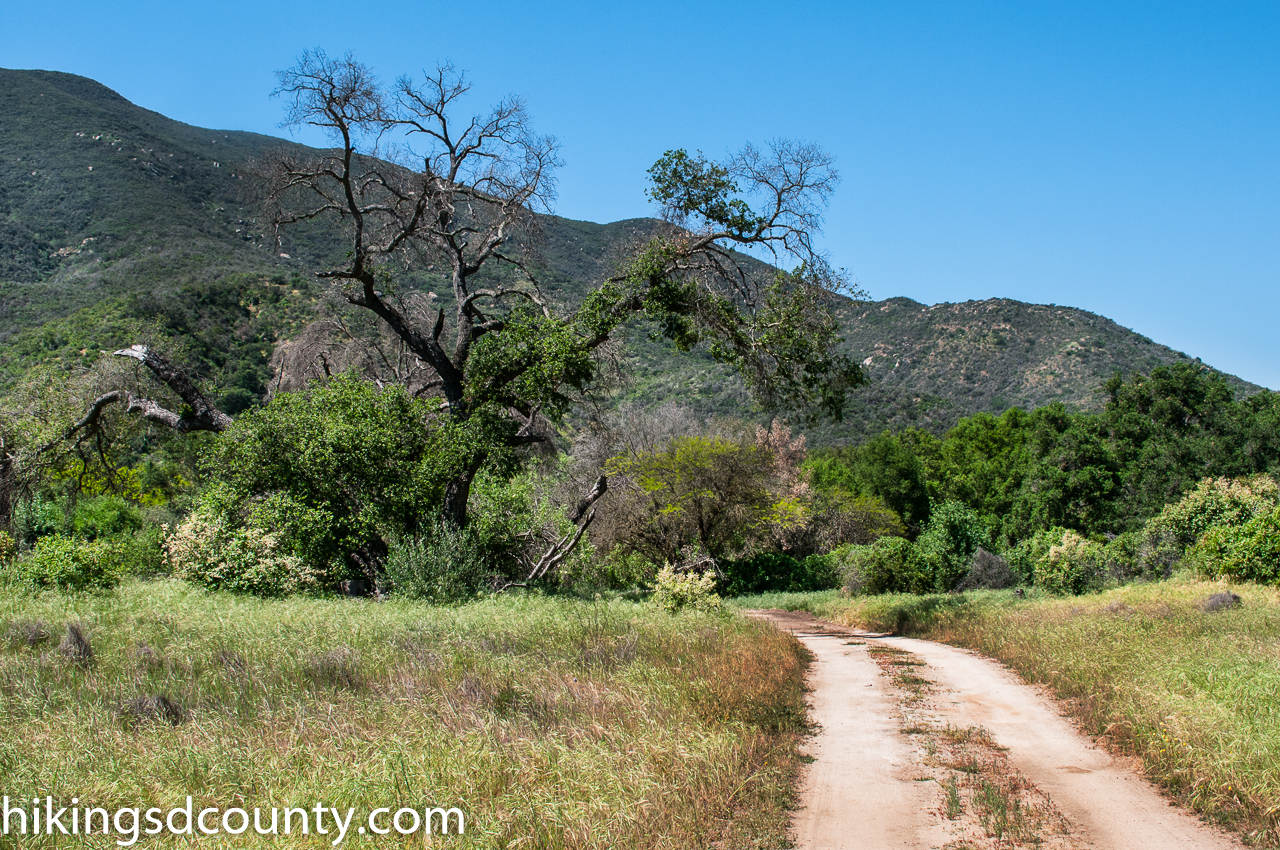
x,y
456,495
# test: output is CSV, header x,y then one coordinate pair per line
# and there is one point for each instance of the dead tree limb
x,y
582,516
204,416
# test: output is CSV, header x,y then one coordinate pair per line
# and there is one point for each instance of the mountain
x,y
116,221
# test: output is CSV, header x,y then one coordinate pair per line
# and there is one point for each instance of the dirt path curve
x,y
863,788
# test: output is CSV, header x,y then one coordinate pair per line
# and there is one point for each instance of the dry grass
x,y
550,722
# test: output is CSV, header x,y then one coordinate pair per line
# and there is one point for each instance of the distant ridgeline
x,y
117,222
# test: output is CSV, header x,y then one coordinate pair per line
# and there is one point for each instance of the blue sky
x,y
1119,157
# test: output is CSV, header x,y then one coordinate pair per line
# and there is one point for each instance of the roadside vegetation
x,y
560,722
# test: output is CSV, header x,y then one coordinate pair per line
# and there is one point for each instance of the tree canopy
x,y
415,183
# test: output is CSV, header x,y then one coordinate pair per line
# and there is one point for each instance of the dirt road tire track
x,y
860,791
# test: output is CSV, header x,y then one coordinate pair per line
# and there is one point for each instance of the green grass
x,y
551,722
1196,695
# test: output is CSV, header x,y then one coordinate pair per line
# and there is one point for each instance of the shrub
x,y
100,517
1217,502
988,571
70,564
1024,557
142,553
890,565
616,570
446,564
953,534
1248,552
328,473
850,562
1122,557
515,520
1072,566
36,518
771,572
819,573
206,551
7,547
1214,503
673,591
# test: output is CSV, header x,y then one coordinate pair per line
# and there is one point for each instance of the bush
x,y
100,517
675,591
1214,503
7,547
1024,558
36,518
890,565
1217,502
988,571
445,565
616,570
953,534
1122,557
205,550
1072,566
1248,552
142,553
330,472
771,572
70,564
517,519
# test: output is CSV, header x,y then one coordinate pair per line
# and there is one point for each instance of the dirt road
x,y
922,745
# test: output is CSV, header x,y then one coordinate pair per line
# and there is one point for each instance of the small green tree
x,y
710,491
954,533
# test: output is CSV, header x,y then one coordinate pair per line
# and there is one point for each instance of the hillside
x,y
114,218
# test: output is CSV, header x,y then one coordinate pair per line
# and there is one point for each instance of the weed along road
x,y
921,745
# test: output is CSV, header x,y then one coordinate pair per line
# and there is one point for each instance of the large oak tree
x,y
413,181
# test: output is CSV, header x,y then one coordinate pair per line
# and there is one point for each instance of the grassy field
x,y
1194,694
549,722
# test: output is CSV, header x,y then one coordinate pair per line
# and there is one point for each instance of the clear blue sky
x,y
1119,157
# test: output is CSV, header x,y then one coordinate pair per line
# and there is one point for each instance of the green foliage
x,y
444,564
35,518
890,565
771,572
514,518
954,533
1216,502
335,469
1245,552
617,569
206,550
675,591
1025,557
67,563
711,491
7,547
695,186
1123,557
101,517
1073,565
885,467
1098,474
1213,503
546,356
981,462
142,552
